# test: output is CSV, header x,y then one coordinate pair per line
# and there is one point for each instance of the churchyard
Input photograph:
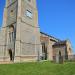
x,y
38,68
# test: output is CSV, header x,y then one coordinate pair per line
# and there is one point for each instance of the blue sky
x,y
56,17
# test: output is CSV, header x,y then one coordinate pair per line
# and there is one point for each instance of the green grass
x,y
38,68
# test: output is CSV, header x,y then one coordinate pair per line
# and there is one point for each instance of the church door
x,y
44,52
11,55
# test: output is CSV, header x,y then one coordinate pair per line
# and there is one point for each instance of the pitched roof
x,y
60,43
50,36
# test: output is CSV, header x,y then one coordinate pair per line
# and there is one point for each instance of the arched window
x,y
11,13
11,32
11,28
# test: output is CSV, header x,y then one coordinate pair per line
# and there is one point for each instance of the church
x,y
21,39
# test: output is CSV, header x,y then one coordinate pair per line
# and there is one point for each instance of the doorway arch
x,y
11,55
59,53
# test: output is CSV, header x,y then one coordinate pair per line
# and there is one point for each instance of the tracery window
x,y
11,33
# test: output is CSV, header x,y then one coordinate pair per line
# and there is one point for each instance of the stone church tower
x,y
20,34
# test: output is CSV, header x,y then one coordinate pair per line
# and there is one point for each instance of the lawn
x,y
38,68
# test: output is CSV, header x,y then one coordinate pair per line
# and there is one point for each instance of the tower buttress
x,y
21,30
